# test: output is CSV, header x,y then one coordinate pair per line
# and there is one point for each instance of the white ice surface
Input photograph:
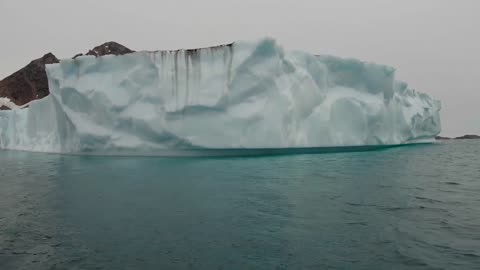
x,y
245,95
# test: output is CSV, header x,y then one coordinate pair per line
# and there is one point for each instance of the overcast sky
x,y
433,44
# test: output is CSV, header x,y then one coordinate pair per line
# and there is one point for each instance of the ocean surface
x,y
415,207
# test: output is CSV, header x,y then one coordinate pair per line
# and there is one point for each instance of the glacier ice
x,y
242,95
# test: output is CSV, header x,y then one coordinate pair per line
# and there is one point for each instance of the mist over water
x,y
411,207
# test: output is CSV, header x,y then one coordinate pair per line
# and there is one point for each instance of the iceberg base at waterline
x,y
245,95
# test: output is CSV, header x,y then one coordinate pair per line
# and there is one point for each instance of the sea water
x,y
415,207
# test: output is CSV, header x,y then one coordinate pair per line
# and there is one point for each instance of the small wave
x,y
396,208
470,255
357,223
428,199
452,183
361,204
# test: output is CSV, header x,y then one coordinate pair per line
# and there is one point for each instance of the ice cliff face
x,y
243,95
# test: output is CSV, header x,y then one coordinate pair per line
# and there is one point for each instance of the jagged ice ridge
x,y
242,95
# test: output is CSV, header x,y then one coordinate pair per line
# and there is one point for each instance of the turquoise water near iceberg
x,y
415,207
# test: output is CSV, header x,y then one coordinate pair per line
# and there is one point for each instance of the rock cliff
x,y
31,82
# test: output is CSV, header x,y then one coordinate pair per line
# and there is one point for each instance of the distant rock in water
x,y
442,138
468,137
464,137
31,82
28,83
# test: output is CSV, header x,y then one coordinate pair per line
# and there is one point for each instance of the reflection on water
x,y
403,208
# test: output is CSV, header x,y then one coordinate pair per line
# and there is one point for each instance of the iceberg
x,y
244,95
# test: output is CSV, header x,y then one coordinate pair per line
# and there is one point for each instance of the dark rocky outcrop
x,y
442,138
31,82
28,83
77,55
469,136
110,47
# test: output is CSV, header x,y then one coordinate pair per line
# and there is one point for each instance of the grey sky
x,y
434,44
